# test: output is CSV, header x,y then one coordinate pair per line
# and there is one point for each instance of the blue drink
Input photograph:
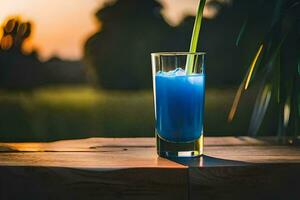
x,y
179,105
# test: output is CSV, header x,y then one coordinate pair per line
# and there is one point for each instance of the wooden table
x,y
106,168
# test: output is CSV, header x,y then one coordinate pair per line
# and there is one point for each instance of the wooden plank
x,y
267,181
214,178
67,183
90,169
106,168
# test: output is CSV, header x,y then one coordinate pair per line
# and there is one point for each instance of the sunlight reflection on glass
x,y
201,162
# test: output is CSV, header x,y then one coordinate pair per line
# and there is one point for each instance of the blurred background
x,y
82,68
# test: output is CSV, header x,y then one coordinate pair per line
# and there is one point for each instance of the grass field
x,y
65,113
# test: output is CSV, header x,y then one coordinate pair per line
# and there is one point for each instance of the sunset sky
x,y
62,27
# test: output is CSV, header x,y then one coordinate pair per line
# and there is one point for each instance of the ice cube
x,y
159,73
179,72
175,72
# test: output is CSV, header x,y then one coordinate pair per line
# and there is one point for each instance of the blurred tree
x,y
15,33
17,71
118,56
120,53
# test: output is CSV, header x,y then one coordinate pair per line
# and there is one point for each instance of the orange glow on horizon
x,y
59,27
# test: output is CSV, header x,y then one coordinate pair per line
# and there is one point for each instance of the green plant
x,y
276,69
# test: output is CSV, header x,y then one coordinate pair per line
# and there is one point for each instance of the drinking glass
x,y
179,103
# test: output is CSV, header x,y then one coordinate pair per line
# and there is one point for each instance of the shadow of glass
x,y
207,161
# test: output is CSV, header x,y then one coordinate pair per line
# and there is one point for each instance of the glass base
x,y
179,149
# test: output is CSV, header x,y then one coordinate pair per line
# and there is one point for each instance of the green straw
x,y
195,36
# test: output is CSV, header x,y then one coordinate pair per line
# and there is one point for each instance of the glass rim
x,y
177,53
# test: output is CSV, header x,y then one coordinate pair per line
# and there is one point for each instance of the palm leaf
x,y
255,65
242,31
244,85
260,108
252,66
